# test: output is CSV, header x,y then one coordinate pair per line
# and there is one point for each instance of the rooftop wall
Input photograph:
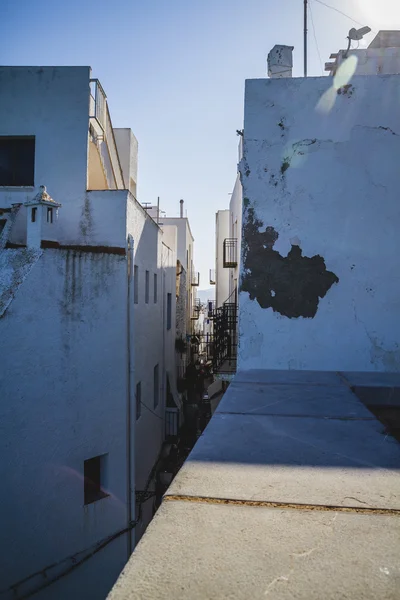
x,y
52,104
65,395
319,282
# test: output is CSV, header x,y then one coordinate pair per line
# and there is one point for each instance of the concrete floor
x,y
292,491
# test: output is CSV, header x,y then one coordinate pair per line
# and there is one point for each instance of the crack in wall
x,y
285,505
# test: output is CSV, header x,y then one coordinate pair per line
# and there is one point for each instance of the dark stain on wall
x,y
291,285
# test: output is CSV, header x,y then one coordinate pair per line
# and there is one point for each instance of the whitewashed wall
x,y
51,103
169,287
222,276
148,347
127,146
64,400
324,175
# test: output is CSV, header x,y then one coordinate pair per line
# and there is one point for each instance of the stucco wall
x,y
373,61
127,146
148,347
222,221
321,182
51,103
64,391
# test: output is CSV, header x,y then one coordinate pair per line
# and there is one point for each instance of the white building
x,y
187,278
84,336
382,57
320,224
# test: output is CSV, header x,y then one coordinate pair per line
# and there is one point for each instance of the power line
x,y
339,11
92,549
152,411
315,38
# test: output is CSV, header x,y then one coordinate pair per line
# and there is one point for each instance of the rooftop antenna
x,y
357,35
305,38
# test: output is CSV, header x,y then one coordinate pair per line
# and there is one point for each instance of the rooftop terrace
x,y
293,491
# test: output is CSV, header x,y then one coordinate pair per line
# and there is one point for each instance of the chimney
x,y
181,211
280,62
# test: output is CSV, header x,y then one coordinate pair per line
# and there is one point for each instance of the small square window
x,y
33,214
136,284
17,161
94,471
147,289
155,288
138,400
49,215
156,384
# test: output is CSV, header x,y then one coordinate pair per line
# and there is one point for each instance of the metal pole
x,y
305,38
158,209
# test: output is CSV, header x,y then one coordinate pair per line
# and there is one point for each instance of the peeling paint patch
x,y
346,90
291,285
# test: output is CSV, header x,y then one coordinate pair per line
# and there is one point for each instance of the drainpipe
x,y
130,256
163,351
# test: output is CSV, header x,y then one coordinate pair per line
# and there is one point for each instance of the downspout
x,y
164,375
130,256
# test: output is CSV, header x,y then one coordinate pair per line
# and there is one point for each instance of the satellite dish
x,y
358,34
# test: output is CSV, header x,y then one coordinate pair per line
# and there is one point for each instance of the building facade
x,y
84,288
320,218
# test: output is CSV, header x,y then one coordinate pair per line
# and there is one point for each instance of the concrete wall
x,y
51,103
222,224
148,347
102,221
372,61
127,146
169,287
319,283
65,400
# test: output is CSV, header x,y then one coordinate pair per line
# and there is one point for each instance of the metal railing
x,y
212,276
98,100
171,422
230,252
196,278
225,336
210,308
196,309
102,126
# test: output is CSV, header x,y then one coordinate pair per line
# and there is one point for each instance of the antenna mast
x,y
305,38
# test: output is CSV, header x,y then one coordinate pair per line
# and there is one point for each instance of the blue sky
x,y
174,73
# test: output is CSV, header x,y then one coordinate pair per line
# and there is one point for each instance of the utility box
x,y
280,61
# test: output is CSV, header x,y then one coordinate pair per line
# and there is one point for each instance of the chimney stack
x,y
181,211
280,62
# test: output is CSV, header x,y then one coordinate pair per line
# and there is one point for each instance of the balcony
x,y
97,106
210,308
230,253
212,276
225,320
195,279
104,167
196,310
